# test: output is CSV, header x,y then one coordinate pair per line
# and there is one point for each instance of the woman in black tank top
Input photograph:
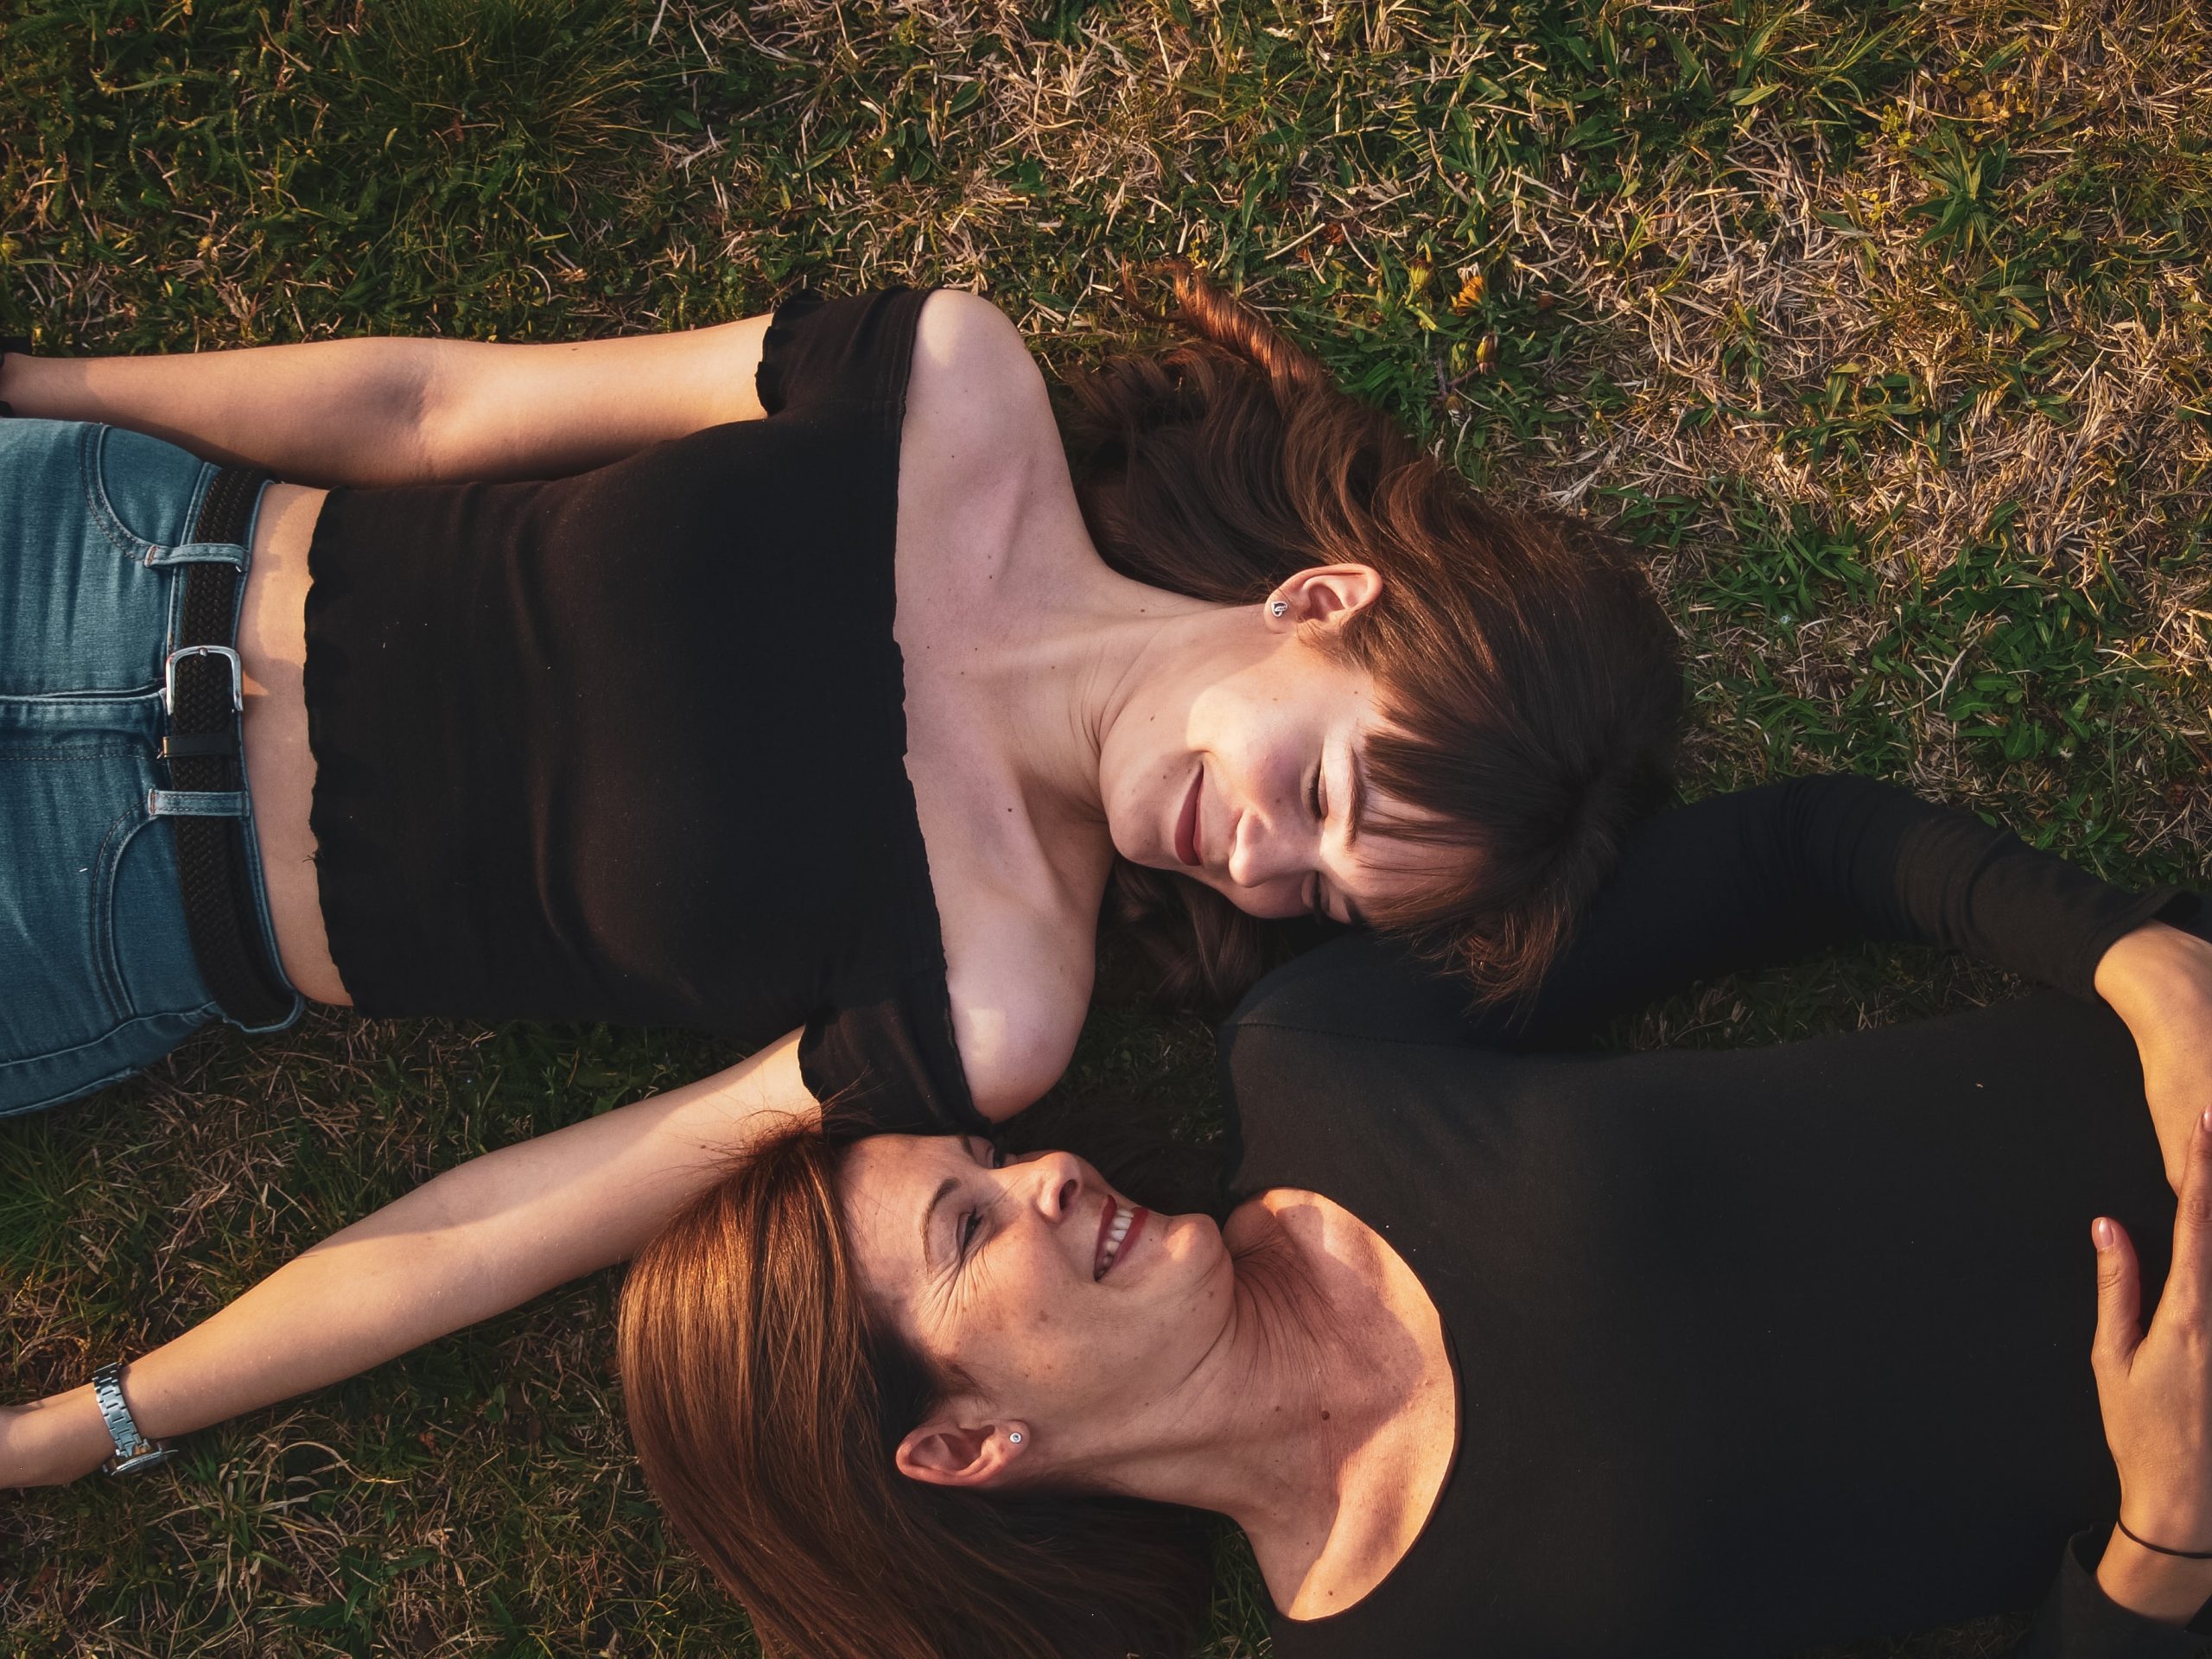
x,y
1512,1354
833,710
788,685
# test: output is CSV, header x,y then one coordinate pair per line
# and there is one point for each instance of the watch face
x,y
146,1458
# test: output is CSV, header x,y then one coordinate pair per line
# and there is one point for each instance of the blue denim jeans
x,y
96,972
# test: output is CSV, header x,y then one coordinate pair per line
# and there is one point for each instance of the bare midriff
x,y
279,765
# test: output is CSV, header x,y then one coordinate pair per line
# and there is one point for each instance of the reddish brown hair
x,y
1530,675
766,1403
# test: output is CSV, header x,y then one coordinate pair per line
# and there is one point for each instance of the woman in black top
x,y
1509,1354
798,702
802,697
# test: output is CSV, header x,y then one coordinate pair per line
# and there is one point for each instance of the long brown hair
x,y
765,1402
1529,675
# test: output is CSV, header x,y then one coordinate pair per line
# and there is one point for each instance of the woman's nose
x,y
1057,1177
1259,855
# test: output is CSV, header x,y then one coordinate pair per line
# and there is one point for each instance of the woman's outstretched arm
x,y
1769,876
1774,874
409,411
482,1238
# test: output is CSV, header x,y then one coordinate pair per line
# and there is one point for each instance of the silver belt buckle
x,y
237,675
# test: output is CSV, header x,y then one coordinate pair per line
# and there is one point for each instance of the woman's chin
x,y
1142,850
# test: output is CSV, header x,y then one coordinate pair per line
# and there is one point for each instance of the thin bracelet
x,y
2161,1549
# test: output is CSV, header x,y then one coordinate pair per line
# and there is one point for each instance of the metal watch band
x,y
132,1449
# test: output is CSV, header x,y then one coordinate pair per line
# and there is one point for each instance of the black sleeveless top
x,y
1757,1351
628,746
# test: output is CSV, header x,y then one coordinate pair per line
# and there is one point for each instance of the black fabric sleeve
x,y
888,1065
852,351
2078,1621
1744,880
1770,875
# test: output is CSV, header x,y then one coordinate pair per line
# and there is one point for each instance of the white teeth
x,y
1115,1236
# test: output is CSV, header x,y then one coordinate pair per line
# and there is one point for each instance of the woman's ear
x,y
1327,592
943,1453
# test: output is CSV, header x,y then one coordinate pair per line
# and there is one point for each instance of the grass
x,y
1881,326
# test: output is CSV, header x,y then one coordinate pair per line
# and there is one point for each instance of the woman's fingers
x,y
2188,1296
2189,1286
2119,1290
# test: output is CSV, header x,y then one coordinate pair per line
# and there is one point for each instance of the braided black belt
x,y
206,695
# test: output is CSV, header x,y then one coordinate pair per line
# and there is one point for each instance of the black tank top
x,y
629,746
1757,1351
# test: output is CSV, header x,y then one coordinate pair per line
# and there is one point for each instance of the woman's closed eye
x,y
1317,802
970,1226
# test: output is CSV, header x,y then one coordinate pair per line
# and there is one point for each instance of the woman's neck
x,y
1319,1364
1062,666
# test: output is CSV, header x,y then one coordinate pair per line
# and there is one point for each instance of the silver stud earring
x,y
1280,608
1014,1437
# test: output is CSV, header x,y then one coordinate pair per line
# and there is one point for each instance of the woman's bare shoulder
x,y
983,482
966,340
976,398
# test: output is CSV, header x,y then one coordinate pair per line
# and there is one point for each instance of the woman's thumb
x,y
2120,1329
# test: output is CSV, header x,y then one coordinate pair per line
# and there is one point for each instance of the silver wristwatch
x,y
132,1449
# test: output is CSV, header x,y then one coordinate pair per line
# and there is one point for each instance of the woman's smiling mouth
x,y
1118,1226
1186,826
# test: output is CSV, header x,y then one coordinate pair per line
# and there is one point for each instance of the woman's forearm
x,y
2159,979
2163,1587
360,412
349,1304
1773,875
479,1239
342,411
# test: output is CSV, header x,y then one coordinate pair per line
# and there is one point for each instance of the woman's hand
x,y
2155,1388
2158,978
